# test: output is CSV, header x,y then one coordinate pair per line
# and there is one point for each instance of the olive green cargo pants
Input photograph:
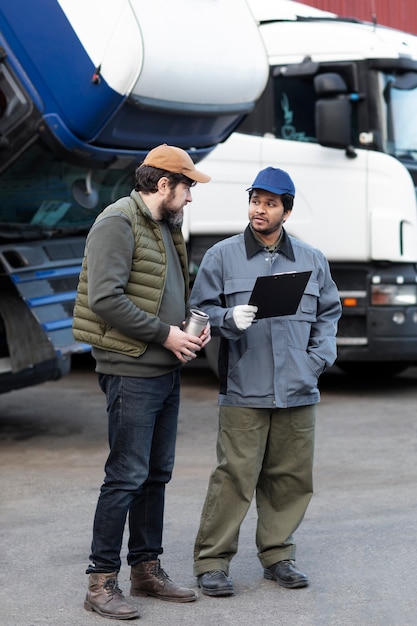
x,y
268,452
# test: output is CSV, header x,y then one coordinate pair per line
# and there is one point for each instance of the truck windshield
x,y
40,194
401,100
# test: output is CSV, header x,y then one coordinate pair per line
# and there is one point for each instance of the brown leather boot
x,y
105,598
150,579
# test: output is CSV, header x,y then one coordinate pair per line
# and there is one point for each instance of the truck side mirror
x,y
333,111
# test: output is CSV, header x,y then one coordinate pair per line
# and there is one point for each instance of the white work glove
x,y
243,315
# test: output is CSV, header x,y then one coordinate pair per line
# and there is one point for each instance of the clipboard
x,y
279,294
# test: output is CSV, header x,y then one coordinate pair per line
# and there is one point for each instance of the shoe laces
x,y
112,588
160,573
215,573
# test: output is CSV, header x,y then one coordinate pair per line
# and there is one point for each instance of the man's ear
x,y
163,184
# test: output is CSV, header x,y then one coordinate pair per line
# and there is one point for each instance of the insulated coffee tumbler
x,y
195,323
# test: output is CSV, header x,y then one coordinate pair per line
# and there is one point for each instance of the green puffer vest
x,y
146,281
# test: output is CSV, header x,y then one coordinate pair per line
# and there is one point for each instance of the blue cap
x,y
274,180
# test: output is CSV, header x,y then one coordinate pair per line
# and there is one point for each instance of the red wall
x,y
400,14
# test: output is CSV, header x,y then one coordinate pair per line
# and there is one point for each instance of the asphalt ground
x,y
357,543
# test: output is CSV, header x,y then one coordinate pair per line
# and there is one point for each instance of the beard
x,y
173,217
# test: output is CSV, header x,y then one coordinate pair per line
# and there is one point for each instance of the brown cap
x,y
174,160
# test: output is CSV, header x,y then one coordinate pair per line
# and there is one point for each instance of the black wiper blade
x,y
25,232
12,230
65,231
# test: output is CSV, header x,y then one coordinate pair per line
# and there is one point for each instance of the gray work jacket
x,y
277,361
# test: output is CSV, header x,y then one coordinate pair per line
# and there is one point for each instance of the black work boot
x,y
286,574
150,579
215,583
105,598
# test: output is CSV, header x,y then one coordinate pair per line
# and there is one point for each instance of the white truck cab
x,y
339,113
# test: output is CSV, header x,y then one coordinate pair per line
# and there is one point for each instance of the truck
x,y
86,90
339,113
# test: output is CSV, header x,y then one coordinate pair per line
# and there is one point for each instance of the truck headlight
x,y
399,295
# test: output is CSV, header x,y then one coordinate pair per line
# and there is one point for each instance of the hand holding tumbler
x,y
195,323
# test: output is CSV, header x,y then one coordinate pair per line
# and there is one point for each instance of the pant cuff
x,y
210,565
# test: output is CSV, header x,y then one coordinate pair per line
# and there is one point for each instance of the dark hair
x,y
147,177
288,201
286,198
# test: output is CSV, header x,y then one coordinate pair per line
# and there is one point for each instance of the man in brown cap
x,y
131,303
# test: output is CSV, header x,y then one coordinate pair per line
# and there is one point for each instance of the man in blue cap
x,y
268,374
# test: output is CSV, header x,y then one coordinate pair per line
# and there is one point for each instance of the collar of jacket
x,y
253,247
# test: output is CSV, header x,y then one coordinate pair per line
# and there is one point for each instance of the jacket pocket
x,y
308,304
238,290
299,324
250,374
303,373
